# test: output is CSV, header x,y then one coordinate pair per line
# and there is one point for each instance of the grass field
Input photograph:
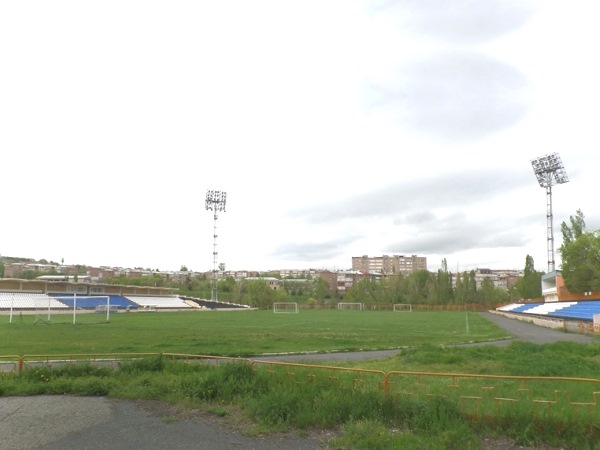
x,y
243,333
417,411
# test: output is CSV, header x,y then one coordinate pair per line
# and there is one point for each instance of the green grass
x,y
244,333
279,401
419,413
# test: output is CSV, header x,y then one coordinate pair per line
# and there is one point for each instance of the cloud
x,y
460,21
457,95
458,189
314,251
457,232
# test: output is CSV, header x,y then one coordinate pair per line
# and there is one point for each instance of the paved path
x,y
523,331
65,422
84,423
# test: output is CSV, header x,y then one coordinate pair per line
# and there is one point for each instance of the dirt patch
x,y
230,418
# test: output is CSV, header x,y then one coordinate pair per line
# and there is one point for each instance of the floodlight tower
x,y
215,201
549,171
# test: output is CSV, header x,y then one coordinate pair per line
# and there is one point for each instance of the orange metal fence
x,y
478,395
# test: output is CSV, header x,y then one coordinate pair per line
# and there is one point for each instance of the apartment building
x,y
502,279
389,265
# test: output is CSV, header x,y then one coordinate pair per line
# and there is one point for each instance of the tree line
x,y
420,288
580,254
580,268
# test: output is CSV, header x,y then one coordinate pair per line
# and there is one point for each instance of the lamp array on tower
x,y
215,201
549,170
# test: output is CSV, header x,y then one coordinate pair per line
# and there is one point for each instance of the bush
x,y
150,364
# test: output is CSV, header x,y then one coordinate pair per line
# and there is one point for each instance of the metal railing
x,y
478,395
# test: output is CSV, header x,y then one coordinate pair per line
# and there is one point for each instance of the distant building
x,y
501,279
15,270
340,281
272,282
389,265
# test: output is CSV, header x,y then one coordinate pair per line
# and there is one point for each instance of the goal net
x,y
403,307
347,306
85,308
285,307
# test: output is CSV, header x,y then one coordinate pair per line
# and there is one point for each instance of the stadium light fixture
x,y
549,171
215,201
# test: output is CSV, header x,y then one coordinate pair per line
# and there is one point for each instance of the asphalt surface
x,y
93,423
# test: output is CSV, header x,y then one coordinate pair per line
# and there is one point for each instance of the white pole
x,y
467,319
108,309
12,296
74,306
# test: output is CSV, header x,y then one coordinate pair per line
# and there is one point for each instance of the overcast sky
x,y
338,128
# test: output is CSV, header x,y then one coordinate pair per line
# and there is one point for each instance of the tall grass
x,y
279,400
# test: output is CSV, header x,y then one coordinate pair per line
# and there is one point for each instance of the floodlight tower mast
x,y
549,170
215,201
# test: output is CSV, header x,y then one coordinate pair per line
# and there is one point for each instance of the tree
x,y
321,288
227,285
365,291
183,269
580,254
441,286
488,294
416,287
577,228
259,294
530,284
466,288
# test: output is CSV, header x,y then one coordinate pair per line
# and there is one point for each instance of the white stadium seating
x,y
27,300
158,302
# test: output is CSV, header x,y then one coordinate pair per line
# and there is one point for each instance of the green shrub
x,y
149,364
90,386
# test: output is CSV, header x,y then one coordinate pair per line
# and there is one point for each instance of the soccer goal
x,y
83,304
349,306
402,307
285,308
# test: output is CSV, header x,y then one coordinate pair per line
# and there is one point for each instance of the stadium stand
x,y
214,305
88,302
582,310
28,301
158,302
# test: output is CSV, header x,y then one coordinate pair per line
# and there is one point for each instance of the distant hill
x,y
19,259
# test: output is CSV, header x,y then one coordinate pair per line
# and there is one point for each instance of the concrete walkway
x,y
65,422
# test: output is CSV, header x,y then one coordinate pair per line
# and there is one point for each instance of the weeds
x,y
371,419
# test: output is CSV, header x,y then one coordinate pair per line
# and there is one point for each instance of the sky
x,y
337,128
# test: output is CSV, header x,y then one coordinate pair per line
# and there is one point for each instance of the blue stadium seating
x,y
580,310
88,302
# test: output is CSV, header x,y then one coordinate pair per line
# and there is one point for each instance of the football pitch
x,y
241,333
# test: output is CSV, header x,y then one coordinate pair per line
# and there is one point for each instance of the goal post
x,y
80,304
350,306
402,307
285,308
